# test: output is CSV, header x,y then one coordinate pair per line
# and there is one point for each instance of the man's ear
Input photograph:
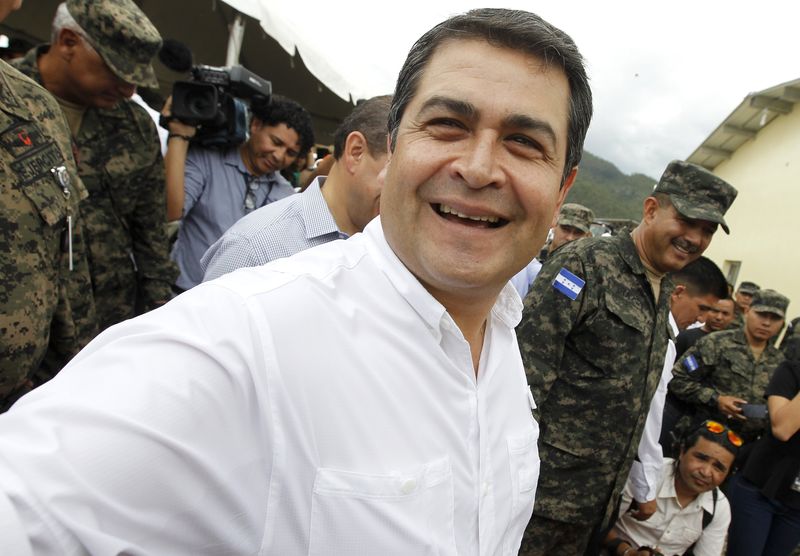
x,y
650,208
255,124
355,148
678,290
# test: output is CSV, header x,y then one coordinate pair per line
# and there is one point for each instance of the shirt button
x,y
408,486
485,488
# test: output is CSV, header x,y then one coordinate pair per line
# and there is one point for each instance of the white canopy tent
x,y
270,38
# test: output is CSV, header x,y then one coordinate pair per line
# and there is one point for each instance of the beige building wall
x,y
765,218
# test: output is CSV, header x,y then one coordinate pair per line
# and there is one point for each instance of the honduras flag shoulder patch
x,y
690,363
568,284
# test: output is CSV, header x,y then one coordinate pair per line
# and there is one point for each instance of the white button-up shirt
x,y
322,404
673,529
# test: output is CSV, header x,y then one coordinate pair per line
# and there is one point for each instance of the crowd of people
x,y
370,390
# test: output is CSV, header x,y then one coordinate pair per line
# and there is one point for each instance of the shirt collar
x,y
316,213
233,157
507,308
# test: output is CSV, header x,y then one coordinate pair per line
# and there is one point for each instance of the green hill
x,y
602,187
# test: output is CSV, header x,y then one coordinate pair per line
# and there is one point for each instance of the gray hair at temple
x,y
517,30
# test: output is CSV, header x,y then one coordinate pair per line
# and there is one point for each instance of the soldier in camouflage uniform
x,y
593,337
742,299
727,369
46,306
103,49
574,222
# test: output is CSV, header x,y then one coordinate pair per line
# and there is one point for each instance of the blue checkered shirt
x,y
277,230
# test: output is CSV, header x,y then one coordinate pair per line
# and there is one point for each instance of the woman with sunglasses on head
x,y
765,495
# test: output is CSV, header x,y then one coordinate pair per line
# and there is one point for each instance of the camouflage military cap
x,y
697,193
122,35
769,301
577,216
748,288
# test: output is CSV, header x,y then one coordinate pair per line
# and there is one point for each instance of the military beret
x,y
697,193
577,216
122,35
769,301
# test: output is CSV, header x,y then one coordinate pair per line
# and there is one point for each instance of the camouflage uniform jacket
x,y
120,163
723,363
46,310
593,364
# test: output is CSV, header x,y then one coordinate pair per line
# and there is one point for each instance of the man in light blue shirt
x,y
331,208
211,189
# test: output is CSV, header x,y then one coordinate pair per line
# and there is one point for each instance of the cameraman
x,y
210,189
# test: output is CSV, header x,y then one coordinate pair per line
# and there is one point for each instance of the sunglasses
x,y
719,428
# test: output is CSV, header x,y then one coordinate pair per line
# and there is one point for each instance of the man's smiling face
x,y
473,184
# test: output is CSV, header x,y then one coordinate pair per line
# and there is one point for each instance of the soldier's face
x,y
762,325
703,466
720,316
271,148
92,83
743,300
670,240
473,183
563,234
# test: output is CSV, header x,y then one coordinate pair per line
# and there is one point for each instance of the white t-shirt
x,y
321,404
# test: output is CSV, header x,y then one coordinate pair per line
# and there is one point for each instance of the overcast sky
x,y
664,74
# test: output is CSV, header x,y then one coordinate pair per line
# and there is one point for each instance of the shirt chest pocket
x,y
400,514
523,458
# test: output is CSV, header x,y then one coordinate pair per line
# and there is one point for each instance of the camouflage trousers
x,y
545,537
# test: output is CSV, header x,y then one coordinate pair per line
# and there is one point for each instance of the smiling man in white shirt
x,y
361,397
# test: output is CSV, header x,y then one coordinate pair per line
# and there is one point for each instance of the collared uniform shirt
x,y
723,363
277,230
643,479
593,358
672,529
210,426
215,187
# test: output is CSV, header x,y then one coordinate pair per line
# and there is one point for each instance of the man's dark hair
x,y
369,117
701,431
702,277
517,30
282,110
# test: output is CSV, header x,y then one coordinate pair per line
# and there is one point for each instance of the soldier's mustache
x,y
686,246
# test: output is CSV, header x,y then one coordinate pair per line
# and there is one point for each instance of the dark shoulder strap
x,y
707,517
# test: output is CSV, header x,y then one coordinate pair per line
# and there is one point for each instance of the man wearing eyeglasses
x,y
691,510
211,189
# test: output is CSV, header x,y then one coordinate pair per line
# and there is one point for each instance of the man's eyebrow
x,y
521,121
460,107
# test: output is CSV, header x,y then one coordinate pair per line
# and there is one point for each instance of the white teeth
x,y
444,209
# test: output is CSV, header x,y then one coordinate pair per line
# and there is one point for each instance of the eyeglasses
x,y
719,428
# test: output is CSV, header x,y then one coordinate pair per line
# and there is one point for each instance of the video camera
x,y
214,100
